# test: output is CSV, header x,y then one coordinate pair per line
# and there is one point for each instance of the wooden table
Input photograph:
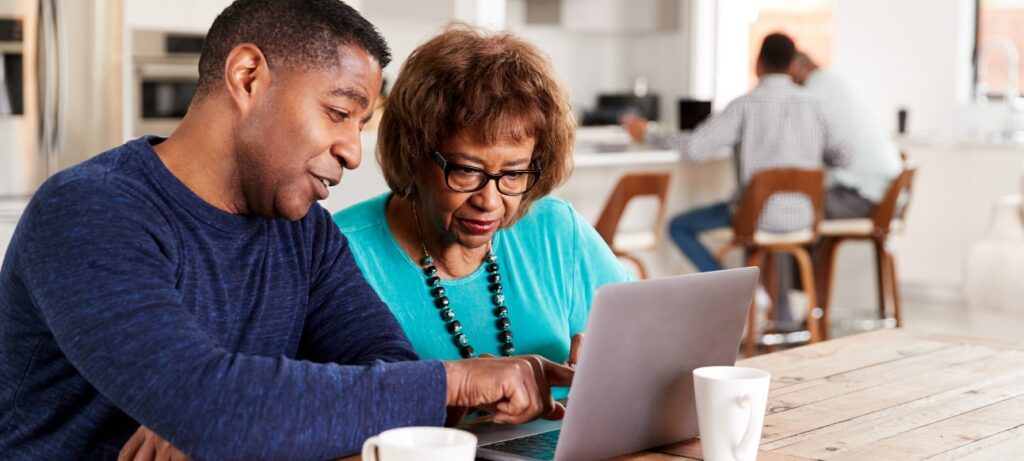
x,y
888,394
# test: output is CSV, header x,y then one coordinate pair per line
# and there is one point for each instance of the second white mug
x,y
731,403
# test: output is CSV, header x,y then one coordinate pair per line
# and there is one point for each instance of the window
x,y
999,42
742,26
808,22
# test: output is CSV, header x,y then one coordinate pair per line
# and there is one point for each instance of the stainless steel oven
x,y
166,73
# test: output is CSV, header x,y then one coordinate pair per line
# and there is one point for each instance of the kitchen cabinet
x,y
619,16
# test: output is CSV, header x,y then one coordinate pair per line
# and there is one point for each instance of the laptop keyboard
x,y
539,446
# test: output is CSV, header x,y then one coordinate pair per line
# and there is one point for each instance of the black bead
x,y
508,349
434,281
461,340
437,292
426,261
494,278
491,257
504,323
505,337
495,287
441,302
447,314
492,267
467,352
454,327
430,271
501,311
498,299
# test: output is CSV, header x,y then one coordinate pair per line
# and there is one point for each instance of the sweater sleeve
x,y
98,268
347,321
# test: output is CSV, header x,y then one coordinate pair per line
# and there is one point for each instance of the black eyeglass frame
x,y
449,166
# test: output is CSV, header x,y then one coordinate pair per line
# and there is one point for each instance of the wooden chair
x,y
760,245
631,186
886,220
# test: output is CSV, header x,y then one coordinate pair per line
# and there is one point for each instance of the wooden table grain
x,y
888,394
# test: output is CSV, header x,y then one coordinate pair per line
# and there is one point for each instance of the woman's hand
x,y
146,445
574,350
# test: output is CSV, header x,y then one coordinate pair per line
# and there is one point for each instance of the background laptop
x,y
634,386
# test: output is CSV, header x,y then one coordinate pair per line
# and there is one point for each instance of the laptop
x,y
633,387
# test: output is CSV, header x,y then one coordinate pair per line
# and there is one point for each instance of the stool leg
x,y
894,287
880,265
830,246
807,276
750,344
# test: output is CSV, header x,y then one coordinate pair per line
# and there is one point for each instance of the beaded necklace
x,y
442,302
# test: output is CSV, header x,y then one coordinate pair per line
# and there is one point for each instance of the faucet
x,y
1012,88
1011,92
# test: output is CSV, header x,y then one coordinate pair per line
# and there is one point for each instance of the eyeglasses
x,y
465,178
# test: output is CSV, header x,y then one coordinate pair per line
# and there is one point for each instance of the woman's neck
x,y
452,260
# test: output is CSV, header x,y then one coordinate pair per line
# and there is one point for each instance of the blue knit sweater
x,y
125,299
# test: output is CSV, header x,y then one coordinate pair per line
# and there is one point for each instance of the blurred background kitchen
x,y
943,77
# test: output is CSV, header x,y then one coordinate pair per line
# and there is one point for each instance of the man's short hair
x,y
777,53
298,34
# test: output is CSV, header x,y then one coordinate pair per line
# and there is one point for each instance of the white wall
x,y
909,53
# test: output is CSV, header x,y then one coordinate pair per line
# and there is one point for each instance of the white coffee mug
x,y
420,444
731,403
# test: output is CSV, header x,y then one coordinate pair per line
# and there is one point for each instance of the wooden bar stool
x,y
624,244
760,245
886,220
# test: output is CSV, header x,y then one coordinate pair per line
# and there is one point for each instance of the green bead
x,y
434,281
442,302
426,261
430,271
494,278
447,314
495,288
437,292
492,267
499,299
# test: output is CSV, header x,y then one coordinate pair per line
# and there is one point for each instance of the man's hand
x,y
636,126
145,445
517,388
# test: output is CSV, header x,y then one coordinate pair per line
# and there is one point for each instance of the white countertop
x,y
586,156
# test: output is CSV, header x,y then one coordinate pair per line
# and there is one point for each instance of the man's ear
x,y
246,76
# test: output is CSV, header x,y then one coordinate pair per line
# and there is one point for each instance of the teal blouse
x,y
551,262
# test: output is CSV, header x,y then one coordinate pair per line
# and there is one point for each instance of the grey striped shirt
x,y
776,125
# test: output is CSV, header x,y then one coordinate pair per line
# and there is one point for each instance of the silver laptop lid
x,y
633,387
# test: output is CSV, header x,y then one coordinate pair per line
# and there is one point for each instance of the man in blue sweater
x,y
192,284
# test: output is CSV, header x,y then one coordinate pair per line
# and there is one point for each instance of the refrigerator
x,y
61,88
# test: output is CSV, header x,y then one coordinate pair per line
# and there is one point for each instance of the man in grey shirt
x,y
853,190
776,125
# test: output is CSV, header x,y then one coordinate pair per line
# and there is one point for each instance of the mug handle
x,y
370,448
748,436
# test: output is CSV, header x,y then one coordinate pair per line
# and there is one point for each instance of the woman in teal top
x,y
467,251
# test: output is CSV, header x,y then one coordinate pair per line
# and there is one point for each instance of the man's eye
x,y
338,115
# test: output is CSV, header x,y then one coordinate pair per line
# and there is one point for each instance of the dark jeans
x,y
684,230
